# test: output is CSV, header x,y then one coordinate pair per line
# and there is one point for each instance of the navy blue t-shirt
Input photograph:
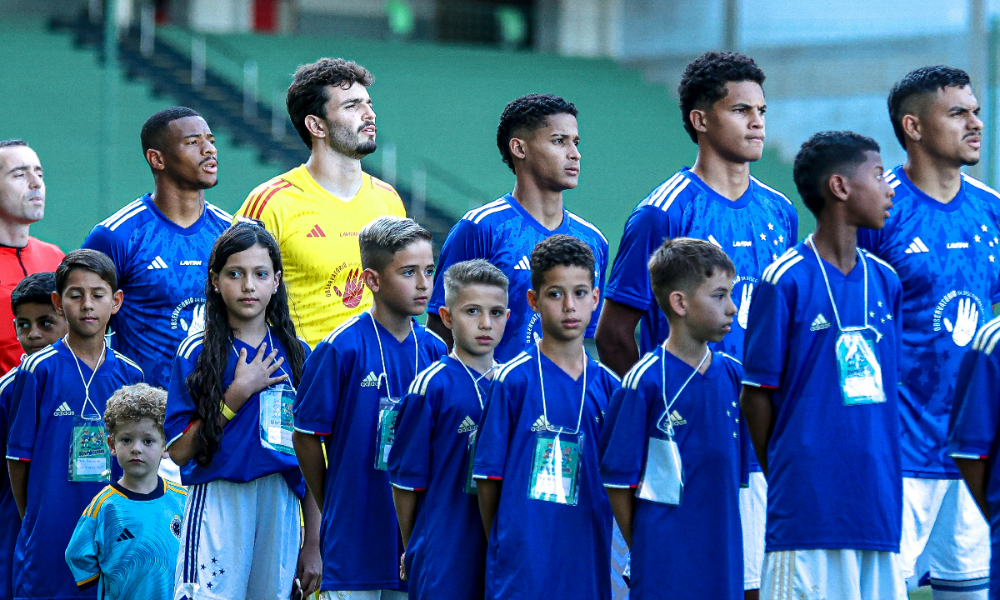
x,y
162,268
694,550
975,423
503,233
538,547
438,418
754,230
834,475
48,394
339,399
241,457
948,260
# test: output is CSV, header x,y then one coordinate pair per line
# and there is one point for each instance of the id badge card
x,y
470,483
385,431
663,476
858,368
276,419
555,468
89,455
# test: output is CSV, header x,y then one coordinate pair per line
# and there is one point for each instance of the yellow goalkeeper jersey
x,y
318,236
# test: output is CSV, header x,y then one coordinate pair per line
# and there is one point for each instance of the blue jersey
x,y
538,547
126,543
503,233
162,268
242,456
975,421
10,519
834,475
753,230
694,550
437,423
48,394
948,260
340,397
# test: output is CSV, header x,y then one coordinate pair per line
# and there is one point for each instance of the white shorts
x,y
753,514
238,541
840,574
944,534
364,595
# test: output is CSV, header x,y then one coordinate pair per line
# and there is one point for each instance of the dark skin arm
x,y
309,569
406,514
18,470
977,477
489,500
623,506
435,324
309,452
615,337
758,410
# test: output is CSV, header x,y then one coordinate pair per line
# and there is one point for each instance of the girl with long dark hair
x,y
229,426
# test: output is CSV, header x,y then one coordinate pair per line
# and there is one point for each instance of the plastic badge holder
x,y
276,419
555,470
858,367
89,455
470,483
385,434
663,477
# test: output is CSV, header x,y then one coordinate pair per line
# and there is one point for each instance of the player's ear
x,y
445,313
116,301
370,277
316,126
517,148
532,296
839,186
155,159
678,303
111,445
596,292
698,120
911,127
57,303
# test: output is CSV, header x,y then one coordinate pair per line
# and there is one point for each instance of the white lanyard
x,y
663,360
381,354
270,345
475,380
583,397
826,280
86,382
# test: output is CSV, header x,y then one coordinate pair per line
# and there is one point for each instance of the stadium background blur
x,y
79,77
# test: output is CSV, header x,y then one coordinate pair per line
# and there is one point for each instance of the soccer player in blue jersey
x,y
37,325
229,426
722,106
538,140
160,243
682,519
973,438
349,401
943,239
57,451
820,388
546,514
430,465
126,542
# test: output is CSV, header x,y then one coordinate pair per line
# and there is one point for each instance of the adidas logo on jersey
x,y
917,246
676,419
370,380
63,411
467,426
125,536
523,265
819,323
316,232
157,264
539,424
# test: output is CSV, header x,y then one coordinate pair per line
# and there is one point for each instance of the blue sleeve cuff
x,y
627,299
313,427
968,451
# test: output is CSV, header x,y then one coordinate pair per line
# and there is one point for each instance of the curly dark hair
x,y
528,113
705,78
918,82
823,155
151,135
308,96
133,403
560,250
205,383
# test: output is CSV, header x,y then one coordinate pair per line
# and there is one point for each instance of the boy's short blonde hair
x,y
135,402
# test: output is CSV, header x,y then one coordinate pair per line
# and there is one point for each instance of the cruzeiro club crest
x,y
189,316
959,313
175,526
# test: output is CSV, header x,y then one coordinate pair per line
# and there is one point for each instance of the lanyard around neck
x,y
475,380
667,406
545,410
826,280
381,354
87,382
